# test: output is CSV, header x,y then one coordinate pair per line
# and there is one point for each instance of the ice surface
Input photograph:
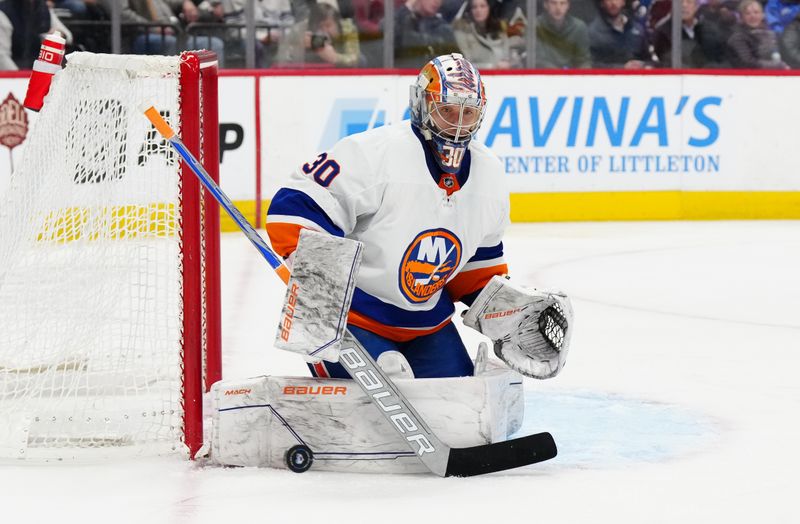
x,y
679,402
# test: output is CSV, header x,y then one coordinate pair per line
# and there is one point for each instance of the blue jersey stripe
x,y
296,203
391,315
487,253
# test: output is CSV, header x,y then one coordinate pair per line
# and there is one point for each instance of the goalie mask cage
x,y
109,264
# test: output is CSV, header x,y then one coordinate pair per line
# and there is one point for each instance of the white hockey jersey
x,y
429,240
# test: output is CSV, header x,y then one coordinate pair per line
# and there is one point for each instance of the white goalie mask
x,y
447,105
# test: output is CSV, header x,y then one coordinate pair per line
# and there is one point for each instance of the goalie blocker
x,y
530,328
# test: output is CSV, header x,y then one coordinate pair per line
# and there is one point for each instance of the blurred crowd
x,y
493,34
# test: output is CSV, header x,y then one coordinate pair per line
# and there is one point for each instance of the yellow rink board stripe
x,y
630,205
655,205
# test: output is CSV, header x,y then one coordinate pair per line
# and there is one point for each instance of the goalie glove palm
x,y
530,328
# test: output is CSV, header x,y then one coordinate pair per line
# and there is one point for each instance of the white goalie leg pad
x,y
530,328
256,421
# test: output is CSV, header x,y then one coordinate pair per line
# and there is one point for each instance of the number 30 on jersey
x,y
453,156
323,169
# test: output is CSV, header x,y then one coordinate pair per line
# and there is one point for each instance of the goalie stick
x,y
441,459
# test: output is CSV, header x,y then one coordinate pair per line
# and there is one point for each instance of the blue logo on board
x,y
349,116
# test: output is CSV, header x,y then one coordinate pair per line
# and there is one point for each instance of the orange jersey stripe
x,y
468,282
283,237
396,334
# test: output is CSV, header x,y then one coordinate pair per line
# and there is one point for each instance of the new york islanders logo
x,y
428,262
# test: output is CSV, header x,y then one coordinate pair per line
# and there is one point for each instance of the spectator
x,y
161,39
779,13
718,19
516,25
657,12
482,37
75,8
752,45
93,38
700,47
453,9
345,7
6,30
210,11
153,40
586,10
662,35
301,8
790,43
505,10
272,18
513,18
617,40
276,13
28,20
562,40
368,16
421,34
510,12
325,38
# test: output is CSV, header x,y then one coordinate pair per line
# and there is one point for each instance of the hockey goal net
x,y
109,264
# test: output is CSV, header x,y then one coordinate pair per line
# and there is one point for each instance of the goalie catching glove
x,y
530,328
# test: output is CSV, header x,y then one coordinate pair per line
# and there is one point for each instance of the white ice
x,y
679,402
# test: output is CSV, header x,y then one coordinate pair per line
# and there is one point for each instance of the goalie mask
x,y
447,105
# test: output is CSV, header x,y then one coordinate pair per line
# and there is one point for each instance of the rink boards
x,y
582,146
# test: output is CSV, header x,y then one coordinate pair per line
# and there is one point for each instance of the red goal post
x,y
199,129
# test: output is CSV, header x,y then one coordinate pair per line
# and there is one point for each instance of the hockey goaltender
x,y
394,226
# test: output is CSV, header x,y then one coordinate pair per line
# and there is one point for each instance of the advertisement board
x,y
583,146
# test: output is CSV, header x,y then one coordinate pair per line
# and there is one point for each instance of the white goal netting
x,y
90,268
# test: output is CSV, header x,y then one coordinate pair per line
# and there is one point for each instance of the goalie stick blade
x,y
500,456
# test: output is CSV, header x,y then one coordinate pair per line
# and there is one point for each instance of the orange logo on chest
x,y
428,263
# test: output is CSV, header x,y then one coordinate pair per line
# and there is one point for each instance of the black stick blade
x,y
477,460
